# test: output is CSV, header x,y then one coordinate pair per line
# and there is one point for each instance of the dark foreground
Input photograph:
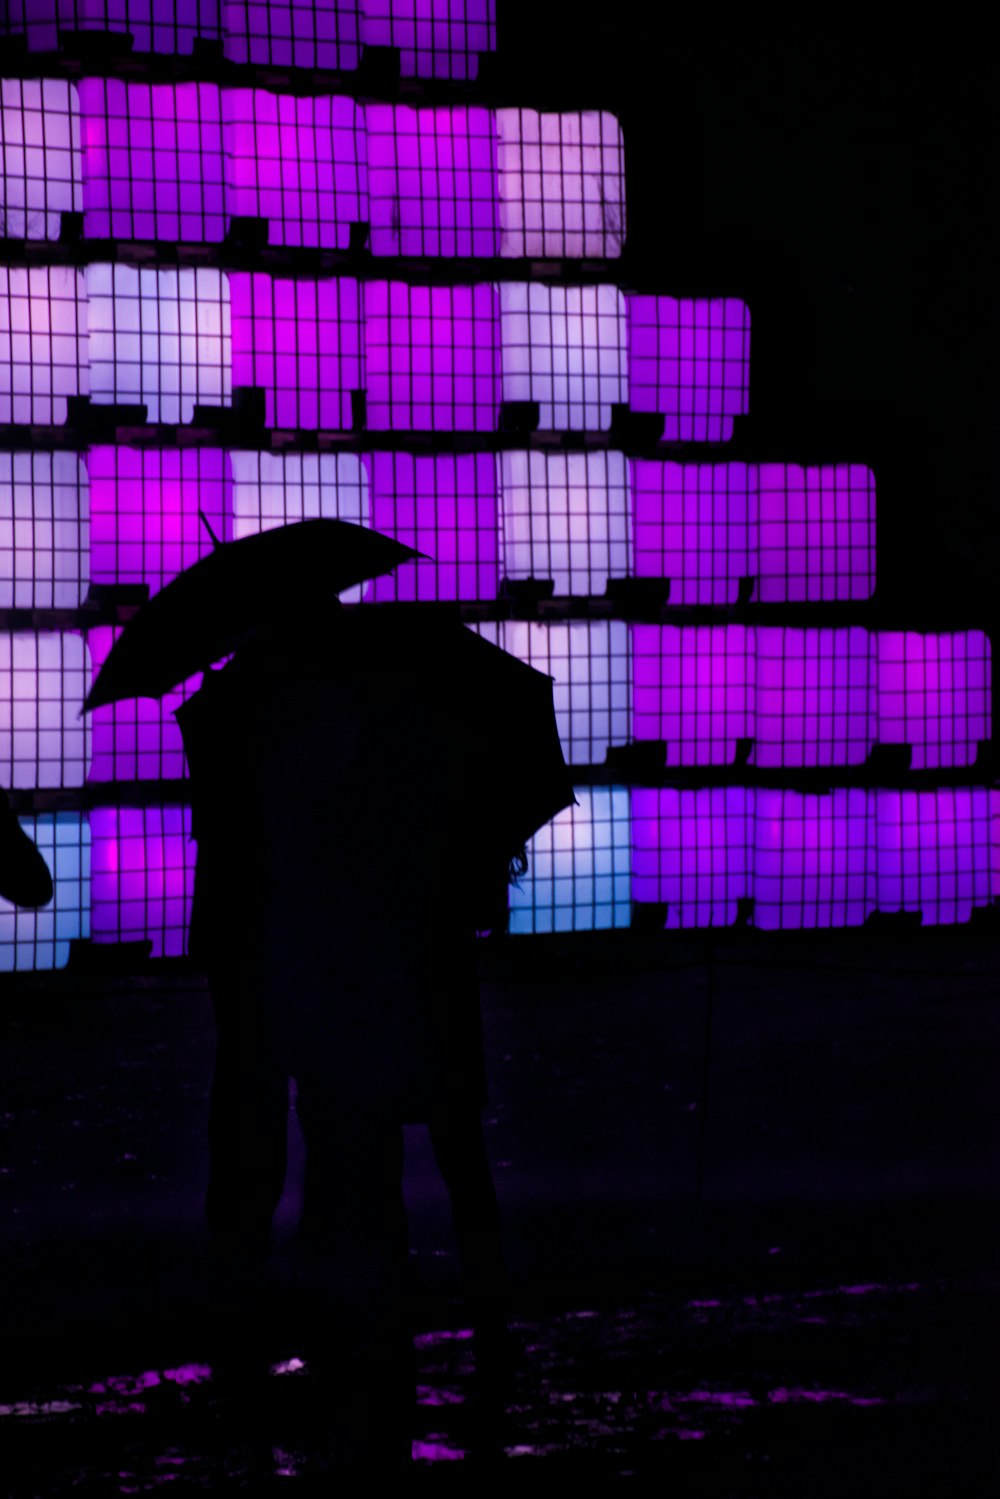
x,y
822,1322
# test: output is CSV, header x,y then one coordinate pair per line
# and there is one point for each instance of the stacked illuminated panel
x,y
166,26
44,531
578,875
814,697
935,694
432,357
694,690
40,169
43,342
935,851
32,940
300,342
446,507
432,180
694,523
567,517
434,38
138,739
561,184
565,347
816,533
812,859
292,33
692,852
689,362
142,877
44,738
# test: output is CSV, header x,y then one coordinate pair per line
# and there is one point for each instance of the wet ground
x,y
821,1321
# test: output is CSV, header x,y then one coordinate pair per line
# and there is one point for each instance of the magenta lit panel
x,y
694,524
815,697
432,177
935,851
297,162
689,362
813,859
40,170
935,694
432,357
168,26
816,533
292,33
136,740
144,505
300,341
152,161
692,851
142,877
44,348
694,689
435,38
561,183
445,506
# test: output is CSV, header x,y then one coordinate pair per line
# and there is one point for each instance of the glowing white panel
x,y
292,33
44,531
566,348
142,876
568,517
43,342
435,38
590,664
692,851
813,859
40,174
934,851
578,876
272,489
694,689
694,524
562,184
816,533
935,694
815,697
44,739
161,337
169,26
39,940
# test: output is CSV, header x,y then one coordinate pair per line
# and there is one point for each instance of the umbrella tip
x,y
216,543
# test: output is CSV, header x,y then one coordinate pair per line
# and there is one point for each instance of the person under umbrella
x,y
25,879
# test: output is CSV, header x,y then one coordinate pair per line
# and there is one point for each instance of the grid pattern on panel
x,y
272,489
815,699
168,26
933,851
578,876
590,664
446,507
34,940
812,859
159,337
299,163
299,341
694,524
44,531
562,184
432,180
935,694
692,851
139,739
43,342
816,533
432,357
40,170
694,689
567,517
689,361
292,33
152,161
142,876
44,739
565,347
144,504
435,38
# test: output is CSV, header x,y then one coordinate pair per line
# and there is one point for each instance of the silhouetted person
x,y
24,875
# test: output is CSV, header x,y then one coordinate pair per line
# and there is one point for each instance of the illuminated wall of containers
x,y
640,575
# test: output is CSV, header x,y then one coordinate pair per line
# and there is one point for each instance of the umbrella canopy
x,y
206,611
24,875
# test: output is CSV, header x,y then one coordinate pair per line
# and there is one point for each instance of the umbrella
x,y
206,611
24,875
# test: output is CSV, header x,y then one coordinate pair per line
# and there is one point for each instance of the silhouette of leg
x,y
460,1151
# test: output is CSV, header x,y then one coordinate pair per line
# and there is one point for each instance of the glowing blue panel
x,y
44,531
35,940
568,517
44,738
578,875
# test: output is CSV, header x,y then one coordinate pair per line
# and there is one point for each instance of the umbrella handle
x,y
216,543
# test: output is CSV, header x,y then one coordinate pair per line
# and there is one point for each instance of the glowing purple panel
x,y
815,697
565,347
142,876
152,161
44,737
693,688
432,357
567,517
934,851
169,26
33,940
299,163
432,176
43,342
813,859
300,341
137,740
935,694
693,852
144,507
816,533
562,184
292,33
435,38
40,172
44,531
689,361
445,506
694,525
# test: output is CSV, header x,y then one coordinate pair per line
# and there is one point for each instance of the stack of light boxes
x,y
389,389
